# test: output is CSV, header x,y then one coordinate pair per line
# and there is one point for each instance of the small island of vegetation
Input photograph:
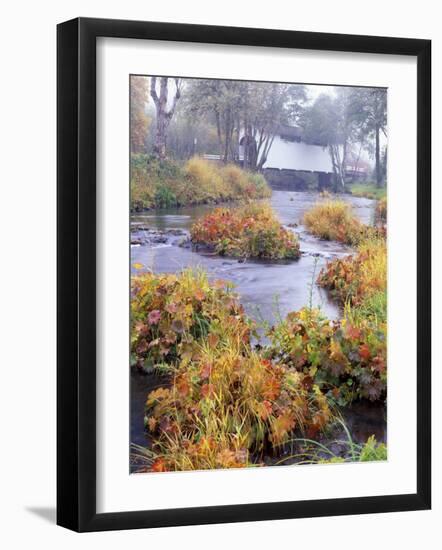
x,y
252,231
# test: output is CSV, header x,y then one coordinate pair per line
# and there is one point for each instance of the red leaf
x,y
364,352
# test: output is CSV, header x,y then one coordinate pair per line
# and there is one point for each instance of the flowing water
x,y
268,290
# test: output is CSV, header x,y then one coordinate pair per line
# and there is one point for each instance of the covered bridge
x,y
294,163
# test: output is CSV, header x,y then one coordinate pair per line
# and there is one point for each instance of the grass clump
x,y
360,279
167,183
346,359
368,191
314,452
252,231
228,405
372,451
333,220
223,403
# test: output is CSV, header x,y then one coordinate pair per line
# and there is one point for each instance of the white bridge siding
x,y
289,155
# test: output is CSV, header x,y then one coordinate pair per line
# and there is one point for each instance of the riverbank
x,y
368,191
167,184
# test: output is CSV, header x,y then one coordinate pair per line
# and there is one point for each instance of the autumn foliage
x,y
226,403
346,360
357,277
381,211
223,404
251,231
168,183
171,313
333,220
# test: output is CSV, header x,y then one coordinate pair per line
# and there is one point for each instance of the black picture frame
x,y
76,274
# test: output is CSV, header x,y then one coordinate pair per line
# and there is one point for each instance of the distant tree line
x,y
201,115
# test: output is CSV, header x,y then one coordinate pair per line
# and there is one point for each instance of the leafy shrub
x,y
228,405
149,182
164,197
250,231
381,211
223,403
358,278
170,313
347,361
159,184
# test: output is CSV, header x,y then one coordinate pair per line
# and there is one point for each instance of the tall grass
x,y
160,184
224,403
308,451
333,220
359,278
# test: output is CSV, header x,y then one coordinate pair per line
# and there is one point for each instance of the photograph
x,y
227,221
258,266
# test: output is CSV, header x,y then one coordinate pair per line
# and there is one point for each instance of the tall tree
x,y
252,111
164,113
221,101
326,123
139,119
368,108
265,108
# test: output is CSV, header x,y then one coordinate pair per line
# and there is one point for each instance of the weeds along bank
x,y
226,402
252,231
351,353
368,191
167,184
334,220
381,211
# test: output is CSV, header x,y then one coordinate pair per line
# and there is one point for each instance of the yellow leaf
x,y
137,265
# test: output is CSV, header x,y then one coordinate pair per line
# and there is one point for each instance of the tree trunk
x,y
164,116
378,159
337,169
160,137
227,135
356,165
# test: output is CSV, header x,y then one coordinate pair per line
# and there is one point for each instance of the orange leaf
x,y
199,295
205,371
353,332
213,340
207,390
159,465
364,352
272,389
183,387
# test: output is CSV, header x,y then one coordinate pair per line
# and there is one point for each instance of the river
x,y
268,290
